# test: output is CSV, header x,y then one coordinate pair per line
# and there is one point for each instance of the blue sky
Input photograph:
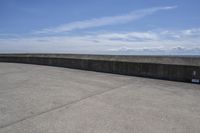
x,y
100,26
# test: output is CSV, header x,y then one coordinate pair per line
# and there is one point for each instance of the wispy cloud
x,y
178,50
97,22
129,36
149,42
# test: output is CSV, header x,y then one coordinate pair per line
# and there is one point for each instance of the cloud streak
x,y
149,42
104,21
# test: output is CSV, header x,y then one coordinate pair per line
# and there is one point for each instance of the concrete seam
x,y
61,106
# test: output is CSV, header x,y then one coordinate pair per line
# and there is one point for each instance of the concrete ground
x,y
44,99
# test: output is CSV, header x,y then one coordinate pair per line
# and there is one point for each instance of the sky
x,y
133,27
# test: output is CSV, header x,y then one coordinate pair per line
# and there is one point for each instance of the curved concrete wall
x,y
176,68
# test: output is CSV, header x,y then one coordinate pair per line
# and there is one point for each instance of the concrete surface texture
x,y
44,99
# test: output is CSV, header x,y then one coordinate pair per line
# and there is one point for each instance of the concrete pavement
x,y
44,99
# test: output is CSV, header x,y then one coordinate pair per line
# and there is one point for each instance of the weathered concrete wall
x,y
174,68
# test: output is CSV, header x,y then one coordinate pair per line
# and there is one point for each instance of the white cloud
x,y
97,22
129,37
194,31
104,43
156,51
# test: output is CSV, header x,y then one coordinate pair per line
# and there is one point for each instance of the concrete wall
x,y
176,68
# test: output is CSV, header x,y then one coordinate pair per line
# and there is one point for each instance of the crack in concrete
x,y
61,106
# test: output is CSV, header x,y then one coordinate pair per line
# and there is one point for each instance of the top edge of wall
x,y
158,59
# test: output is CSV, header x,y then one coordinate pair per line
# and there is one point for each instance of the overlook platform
x,y
46,99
